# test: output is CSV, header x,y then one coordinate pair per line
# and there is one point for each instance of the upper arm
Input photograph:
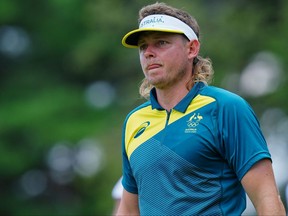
x,y
259,183
128,204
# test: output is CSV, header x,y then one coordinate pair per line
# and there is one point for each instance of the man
x,y
191,149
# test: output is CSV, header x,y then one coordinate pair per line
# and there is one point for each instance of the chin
x,y
159,85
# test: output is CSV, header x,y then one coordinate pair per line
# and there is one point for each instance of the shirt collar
x,y
153,99
183,104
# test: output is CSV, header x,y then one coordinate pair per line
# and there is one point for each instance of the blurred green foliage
x,y
72,44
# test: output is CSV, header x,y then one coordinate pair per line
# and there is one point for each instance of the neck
x,y
168,98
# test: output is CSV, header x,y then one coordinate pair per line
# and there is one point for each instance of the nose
x,y
149,52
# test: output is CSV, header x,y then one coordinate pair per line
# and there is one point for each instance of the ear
x,y
194,47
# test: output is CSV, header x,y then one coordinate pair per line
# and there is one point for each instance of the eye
x,y
142,46
162,43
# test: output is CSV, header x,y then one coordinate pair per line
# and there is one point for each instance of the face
x,y
166,58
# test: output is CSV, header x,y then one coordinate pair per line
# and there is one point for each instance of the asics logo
x,y
142,128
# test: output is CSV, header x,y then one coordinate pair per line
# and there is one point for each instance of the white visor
x,y
158,22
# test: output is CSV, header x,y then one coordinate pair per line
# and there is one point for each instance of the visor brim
x,y
130,40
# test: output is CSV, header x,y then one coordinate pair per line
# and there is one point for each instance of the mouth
x,y
153,66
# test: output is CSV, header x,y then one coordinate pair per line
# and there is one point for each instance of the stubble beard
x,y
168,80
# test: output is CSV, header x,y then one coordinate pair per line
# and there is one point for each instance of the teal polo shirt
x,y
191,160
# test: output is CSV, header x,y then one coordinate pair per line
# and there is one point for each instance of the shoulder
x,y
230,106
224,97
138,109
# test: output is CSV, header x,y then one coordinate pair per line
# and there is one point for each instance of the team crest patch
x,y
193,122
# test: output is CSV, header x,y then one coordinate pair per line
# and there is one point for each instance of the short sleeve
x,y
128,180
243,143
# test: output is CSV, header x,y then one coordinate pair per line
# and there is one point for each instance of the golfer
x,y
191,149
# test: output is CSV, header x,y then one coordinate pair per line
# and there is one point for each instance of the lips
x,y
153,66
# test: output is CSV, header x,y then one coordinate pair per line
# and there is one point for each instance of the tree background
x,y
67,84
